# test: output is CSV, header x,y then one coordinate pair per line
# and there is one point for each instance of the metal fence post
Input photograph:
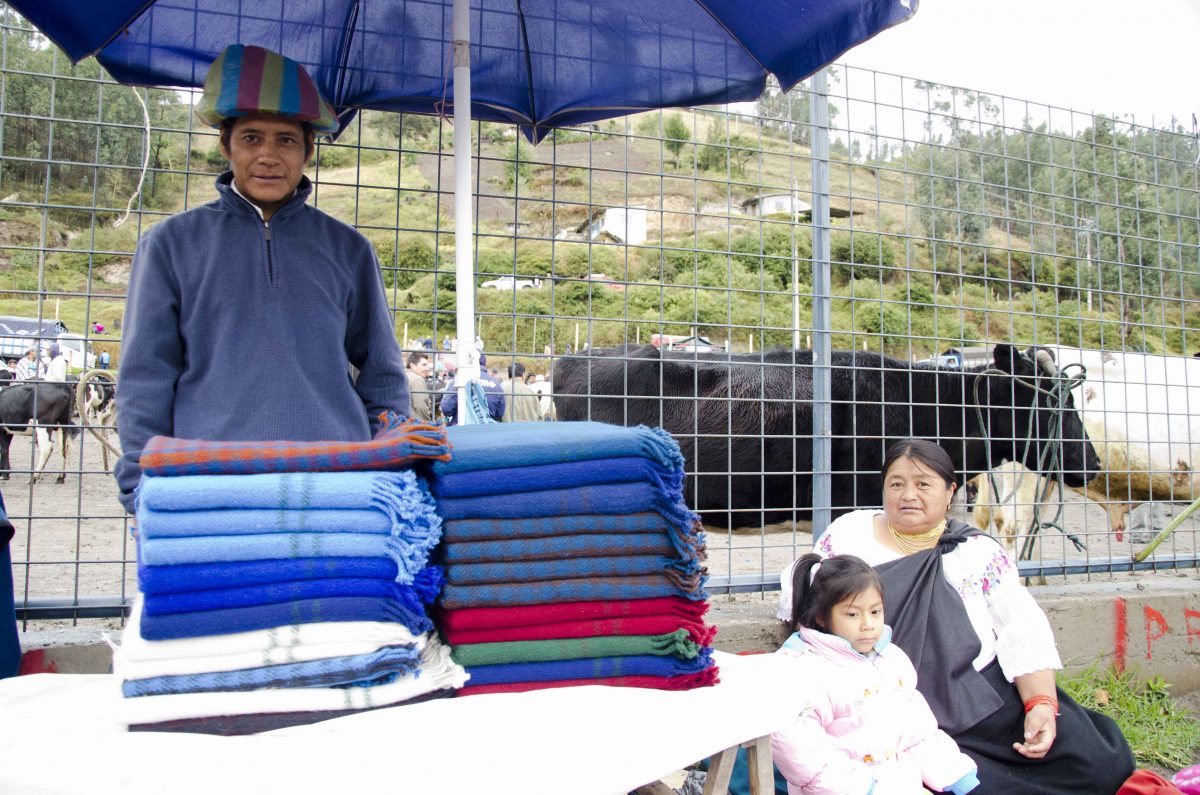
x,y
822,305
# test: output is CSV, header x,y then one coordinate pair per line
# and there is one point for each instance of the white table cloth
x,y
58,734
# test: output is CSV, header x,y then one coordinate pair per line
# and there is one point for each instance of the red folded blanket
x,y
399,444
534,615
706,678
584,628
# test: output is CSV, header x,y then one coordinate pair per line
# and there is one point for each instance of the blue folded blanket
x,y
385,491
611,498
378,667
591,545
206,576
458,530
566,568
502,445
307,611
519,479
588,668
409,558
250,521
583,589
423,590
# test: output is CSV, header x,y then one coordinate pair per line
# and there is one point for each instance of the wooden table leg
x,y
720,768
762,771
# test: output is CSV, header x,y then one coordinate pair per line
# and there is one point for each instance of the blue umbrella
x,y
536,63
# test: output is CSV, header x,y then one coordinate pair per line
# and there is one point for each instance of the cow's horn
x,y
1047,362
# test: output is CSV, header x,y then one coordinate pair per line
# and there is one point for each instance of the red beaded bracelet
x,y
1049,701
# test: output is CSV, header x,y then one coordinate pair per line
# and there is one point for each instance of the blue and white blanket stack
x,y
271,599
552,529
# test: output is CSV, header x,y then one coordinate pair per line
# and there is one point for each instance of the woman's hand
x,y
1040,730
1040,725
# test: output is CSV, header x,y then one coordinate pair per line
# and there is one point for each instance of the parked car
x,y
511,283
690,344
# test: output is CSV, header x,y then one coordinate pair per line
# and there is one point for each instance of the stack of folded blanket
x,y
283,583
570,559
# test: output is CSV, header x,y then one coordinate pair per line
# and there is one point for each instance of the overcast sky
x,y
1104,56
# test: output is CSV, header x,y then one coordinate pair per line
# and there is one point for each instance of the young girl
x,y
865,729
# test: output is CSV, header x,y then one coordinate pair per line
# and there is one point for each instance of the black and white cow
x,y
745,421
47,408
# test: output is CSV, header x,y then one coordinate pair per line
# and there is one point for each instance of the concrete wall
x,y
1149,624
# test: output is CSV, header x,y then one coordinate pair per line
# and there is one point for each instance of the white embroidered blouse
x,y
1010,624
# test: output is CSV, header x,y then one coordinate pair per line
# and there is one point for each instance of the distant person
x,y
418,371
567,349
104,360
56,369
98,328
29,368
446,343
544,390
495,397
522,403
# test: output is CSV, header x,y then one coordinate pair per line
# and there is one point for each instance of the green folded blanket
x,y
676,644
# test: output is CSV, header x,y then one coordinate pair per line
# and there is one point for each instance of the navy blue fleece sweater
x,y
239,330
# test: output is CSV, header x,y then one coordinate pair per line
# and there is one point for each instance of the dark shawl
x,y
930,623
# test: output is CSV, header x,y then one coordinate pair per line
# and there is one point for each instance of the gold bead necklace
x,y
917,542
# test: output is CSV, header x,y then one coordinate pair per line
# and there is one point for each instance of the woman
x,y
983,649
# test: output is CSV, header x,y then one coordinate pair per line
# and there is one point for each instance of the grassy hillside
x,y
912,272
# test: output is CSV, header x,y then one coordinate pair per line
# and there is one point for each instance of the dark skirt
x,y
1089,755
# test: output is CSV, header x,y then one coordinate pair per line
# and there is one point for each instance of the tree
x,y
677,134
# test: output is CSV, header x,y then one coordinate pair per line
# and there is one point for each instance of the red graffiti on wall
x,y
1122,632
1193,632
1154,621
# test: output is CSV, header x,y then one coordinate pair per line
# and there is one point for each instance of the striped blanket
x,y
706,678
247,619
565,475
502,445
493,529
189,577
549,591
610,498
591,545
589,668
423,590
699,632
376,667
397,445
519,616
675,644
565,568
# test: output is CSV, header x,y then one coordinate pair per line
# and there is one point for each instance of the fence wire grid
x,y
658,269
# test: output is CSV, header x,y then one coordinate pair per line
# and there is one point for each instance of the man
x,y
419,370
491,389
29,368
259,277
521,401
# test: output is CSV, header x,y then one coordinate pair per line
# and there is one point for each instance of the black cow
x,y
745,422
48,406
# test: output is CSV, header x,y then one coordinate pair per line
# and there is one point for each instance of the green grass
x,y
1162,734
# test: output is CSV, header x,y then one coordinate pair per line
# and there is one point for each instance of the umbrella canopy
x,y
536,63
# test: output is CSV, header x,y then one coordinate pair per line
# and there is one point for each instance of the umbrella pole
x,y
464,249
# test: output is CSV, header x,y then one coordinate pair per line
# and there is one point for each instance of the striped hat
x,y
247,79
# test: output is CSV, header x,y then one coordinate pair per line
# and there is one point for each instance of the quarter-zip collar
x,y
232,198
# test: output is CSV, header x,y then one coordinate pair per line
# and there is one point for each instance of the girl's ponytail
x,y
802,590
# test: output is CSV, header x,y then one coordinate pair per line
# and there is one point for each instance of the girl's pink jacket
x,y
865,725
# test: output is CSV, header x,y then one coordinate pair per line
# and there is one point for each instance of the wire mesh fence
x,y
657,269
